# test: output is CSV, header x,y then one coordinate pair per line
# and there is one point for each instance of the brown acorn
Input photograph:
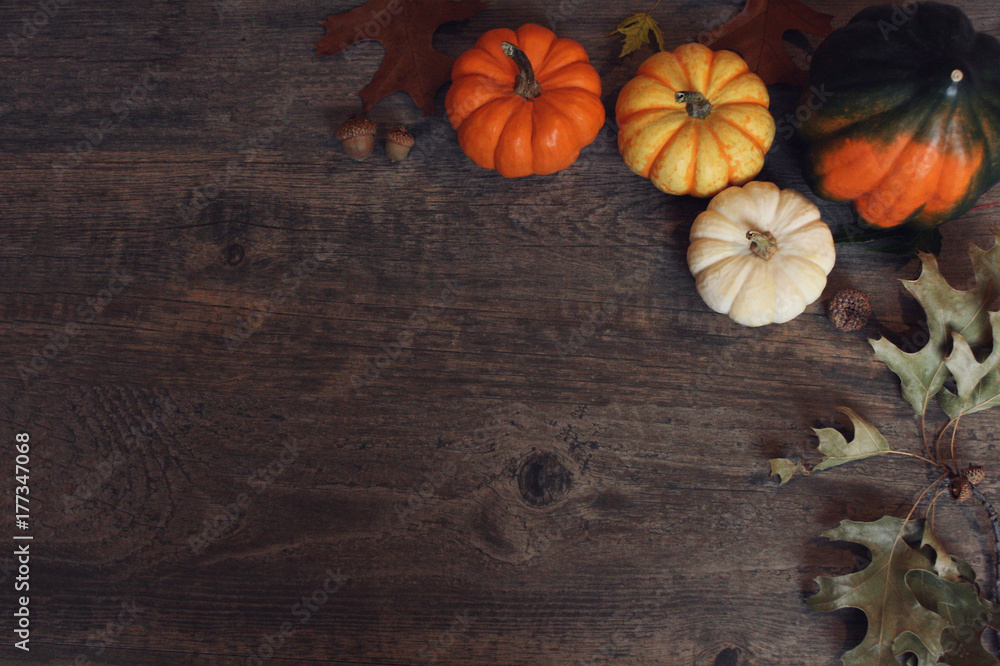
x,y
975,474
849,310
357,135
398,143
961,488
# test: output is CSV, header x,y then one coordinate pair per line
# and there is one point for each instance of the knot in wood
x,y
543,479
235,254
730,657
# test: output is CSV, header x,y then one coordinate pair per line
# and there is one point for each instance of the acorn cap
x,y
849,310
401,136
975,474
353,127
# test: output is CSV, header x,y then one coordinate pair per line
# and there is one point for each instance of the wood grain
x,y
496,410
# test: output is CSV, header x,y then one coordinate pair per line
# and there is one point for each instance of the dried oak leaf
x,y
897,621
836,450
756,34
405,28
957,322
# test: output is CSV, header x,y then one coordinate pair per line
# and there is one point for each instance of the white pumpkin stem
x,y
698,105
762,244
527,86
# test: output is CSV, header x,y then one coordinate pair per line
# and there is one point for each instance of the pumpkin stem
x,y
697,105
527,87
762,244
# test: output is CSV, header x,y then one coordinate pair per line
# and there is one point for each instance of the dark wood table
x,y
287,407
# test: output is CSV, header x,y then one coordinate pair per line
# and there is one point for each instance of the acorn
x,y
398,143
961,488
975,474
357,135
849,310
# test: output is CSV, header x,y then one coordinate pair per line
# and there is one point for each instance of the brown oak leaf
x,y
756,34
405,28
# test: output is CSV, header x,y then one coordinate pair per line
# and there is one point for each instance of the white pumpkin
x,y
760,254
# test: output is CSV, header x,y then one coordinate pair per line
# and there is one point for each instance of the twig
x,y
995,522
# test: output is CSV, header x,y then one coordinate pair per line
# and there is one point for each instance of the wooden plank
x,y
296,376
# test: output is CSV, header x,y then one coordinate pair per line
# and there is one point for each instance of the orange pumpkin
x,y
525,102
695,121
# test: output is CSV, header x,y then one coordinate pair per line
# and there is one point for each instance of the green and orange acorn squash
x,y
908,128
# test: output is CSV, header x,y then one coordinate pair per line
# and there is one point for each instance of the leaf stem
x,y
954,431
906,521
940,466
923,434
937,441
930,507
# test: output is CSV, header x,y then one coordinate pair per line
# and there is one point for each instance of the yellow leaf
x,y
636,29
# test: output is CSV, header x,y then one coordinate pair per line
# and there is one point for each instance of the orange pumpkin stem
x,y
527,87
698,105
762,244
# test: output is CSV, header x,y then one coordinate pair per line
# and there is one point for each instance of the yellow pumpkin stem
x,y
762,244
698,105
527,87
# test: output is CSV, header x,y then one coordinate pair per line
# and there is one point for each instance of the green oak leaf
x,y
897,621
924,373
978,383
966,613
867,442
